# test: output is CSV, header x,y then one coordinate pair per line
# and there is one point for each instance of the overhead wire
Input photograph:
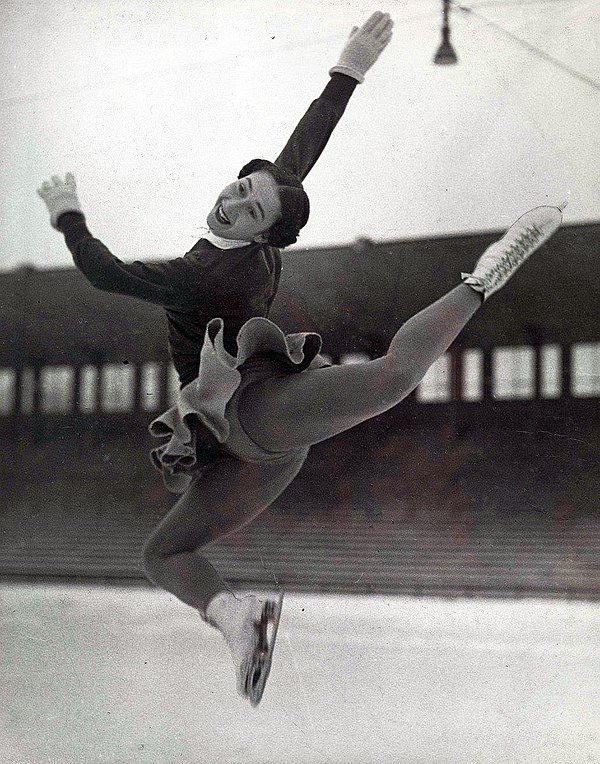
x,y
529,117
519,3
533,49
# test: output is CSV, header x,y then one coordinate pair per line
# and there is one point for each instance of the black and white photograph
x,y
300,382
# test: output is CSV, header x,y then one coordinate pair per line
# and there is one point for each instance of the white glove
x,y
60,196
364,46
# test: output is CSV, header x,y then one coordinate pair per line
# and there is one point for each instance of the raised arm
x,y
310,137
165,283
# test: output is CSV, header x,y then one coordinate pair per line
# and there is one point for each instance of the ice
x,y
128,674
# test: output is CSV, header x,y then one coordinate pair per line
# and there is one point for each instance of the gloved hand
x,y
364,46
60,196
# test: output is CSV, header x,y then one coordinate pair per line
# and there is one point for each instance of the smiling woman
x,y
253,400
216,299
233,270
247,208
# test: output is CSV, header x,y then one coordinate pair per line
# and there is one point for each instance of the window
x,y
550,371
27,390
150,386
172,384
513,372
117,388
56,389
472,360
585,370
435,385
8,389
88,389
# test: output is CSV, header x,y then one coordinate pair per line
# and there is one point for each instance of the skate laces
x,y
520,248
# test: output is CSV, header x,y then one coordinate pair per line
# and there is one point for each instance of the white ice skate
x,y
501,259
249,625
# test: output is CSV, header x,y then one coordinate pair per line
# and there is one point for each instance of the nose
x,y
232,205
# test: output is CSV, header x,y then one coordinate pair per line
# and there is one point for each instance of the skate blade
x,y
258,671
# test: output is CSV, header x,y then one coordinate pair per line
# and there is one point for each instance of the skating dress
x,y
216,302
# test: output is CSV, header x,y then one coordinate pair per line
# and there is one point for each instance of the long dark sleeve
x,y
166,283
315,128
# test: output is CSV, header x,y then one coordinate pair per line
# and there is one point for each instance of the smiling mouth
x,y
221,216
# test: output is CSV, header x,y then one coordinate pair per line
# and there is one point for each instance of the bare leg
x,y
297,410
228,496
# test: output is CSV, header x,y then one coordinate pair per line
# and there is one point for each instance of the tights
x,y
290,413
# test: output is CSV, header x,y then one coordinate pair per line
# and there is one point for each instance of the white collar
x,y
221,243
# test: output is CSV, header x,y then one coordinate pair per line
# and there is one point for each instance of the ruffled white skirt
x,y
203,422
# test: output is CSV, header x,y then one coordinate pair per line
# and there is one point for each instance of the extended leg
x,y
298,410
295,411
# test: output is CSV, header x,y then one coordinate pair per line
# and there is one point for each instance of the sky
x,y
156,104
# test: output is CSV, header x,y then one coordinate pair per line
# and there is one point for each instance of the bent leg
x,y
226,497
299,410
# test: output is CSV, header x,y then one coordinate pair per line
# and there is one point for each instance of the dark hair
x,y
295,207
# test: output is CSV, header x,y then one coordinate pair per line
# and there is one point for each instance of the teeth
x,y
220,215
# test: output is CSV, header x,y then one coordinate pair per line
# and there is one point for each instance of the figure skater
x,y
232,272
260,408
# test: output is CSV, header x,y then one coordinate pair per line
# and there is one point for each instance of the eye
x,y
252,213
241,189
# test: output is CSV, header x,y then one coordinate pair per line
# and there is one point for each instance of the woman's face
x,y
246,208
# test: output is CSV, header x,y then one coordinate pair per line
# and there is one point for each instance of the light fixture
x,y
445,54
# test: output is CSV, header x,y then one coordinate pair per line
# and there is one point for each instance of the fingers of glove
x,y
376,34
384,39
46,189
56,186
383,26
373,21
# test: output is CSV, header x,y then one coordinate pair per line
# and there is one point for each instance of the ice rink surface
x,y
92,675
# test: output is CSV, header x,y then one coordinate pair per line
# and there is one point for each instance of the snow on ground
x,y
127,674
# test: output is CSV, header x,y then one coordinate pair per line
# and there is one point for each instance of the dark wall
x,y
369,290
488,496
355,296
397,505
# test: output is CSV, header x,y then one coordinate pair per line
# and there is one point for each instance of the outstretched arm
x,y
310,137
165,283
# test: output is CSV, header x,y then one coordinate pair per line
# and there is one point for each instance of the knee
x,y
153,555
160,549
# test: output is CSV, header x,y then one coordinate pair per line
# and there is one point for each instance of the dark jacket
x,y
208,282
